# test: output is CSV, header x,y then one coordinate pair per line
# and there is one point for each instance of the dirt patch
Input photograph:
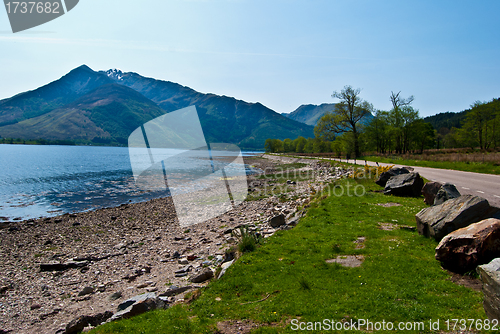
x,y
236,327
387,226
467,281
388,205
360,243
350,261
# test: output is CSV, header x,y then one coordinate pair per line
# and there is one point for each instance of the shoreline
x,y
126,250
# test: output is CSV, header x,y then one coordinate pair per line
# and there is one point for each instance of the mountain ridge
x,y
105,106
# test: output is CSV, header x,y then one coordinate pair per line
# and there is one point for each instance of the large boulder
x,y
440,220
385,176
490,275
446,192
404,185
466,248
429,190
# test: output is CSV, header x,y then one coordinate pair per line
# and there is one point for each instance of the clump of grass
x,y
248,240
304,284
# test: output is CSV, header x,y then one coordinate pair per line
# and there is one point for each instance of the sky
x,y
281,53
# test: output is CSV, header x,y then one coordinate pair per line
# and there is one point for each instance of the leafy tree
x,y
424,135
378,131
345,117
401,117
300,143
481,125
273,146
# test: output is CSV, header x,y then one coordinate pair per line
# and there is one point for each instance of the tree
x,y
299,144
401,117
481,124
424,135
345,117
378,131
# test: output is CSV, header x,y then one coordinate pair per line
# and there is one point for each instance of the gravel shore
x,y
55,269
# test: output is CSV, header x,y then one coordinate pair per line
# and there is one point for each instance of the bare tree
x,y
345,117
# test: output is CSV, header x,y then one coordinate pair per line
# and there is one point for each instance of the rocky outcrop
x,y
385,176
440,220
446,192
429,190
138,305
466,248
78,324
490,275
404,185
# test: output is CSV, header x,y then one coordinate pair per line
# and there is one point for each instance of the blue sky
x,y
282,53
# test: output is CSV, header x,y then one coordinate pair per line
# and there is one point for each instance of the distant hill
x,y
446,119
310,113
105,107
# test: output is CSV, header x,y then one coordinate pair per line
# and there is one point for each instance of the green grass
x,y
399,280
477,167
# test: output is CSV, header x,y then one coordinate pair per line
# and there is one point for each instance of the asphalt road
x,y
483,185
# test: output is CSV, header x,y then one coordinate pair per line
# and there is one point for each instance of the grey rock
x,y
466,248
490,275
404,185
174,290
429,190
86,291
224,267
184,269
183,261
293,222
440,220
137,305
277,221
385,176
55,266
205,275
446,192
115,295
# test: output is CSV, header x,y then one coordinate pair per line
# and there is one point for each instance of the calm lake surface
x,y
41,181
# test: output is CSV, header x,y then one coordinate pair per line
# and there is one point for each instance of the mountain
x,y
224,119
56,94
310,113
107,114
105,107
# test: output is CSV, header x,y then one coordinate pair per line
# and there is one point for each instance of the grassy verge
x,y
287,277
477,167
